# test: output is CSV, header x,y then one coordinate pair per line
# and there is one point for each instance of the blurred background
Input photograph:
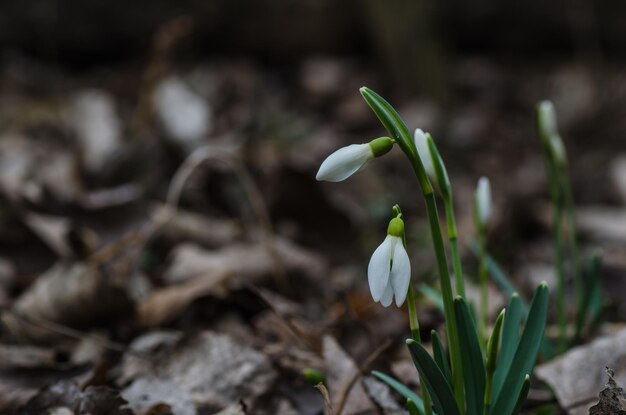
x,y
112,113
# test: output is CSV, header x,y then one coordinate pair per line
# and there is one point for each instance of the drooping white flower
x,y
389,269
483,201
348,160
547,118
421,143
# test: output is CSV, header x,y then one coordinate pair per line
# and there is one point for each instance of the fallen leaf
x,y
98,400
340,371
212,368
74,295
611,400
577,376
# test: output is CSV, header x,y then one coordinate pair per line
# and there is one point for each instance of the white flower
x,y
547,118
483,201
344,162
421,143
389,269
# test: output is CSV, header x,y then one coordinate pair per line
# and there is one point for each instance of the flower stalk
x,y
399,131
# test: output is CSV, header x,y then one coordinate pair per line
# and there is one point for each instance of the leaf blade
x,y
431,376
472,358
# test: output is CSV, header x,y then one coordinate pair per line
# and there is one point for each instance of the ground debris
x,y
212,369
578,375
72,295
94,400
612,400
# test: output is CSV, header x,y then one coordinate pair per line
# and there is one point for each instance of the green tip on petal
x,y
396,227
381,146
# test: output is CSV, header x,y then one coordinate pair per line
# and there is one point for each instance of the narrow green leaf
x,y
494,343
526,354
441,358
510,340
413,408
390,119
499,276
472,358
432,294
401,389
431,376
586,311
522,395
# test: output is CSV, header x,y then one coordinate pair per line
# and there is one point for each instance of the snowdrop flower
x,y
483,201
547,118
347,161
389,270
421,143
433,163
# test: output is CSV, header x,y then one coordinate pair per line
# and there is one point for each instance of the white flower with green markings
x,y
389,269
349,160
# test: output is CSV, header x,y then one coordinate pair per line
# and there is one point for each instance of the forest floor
x,y
165,248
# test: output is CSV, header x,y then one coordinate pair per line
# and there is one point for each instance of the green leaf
x,y
413,408
592,303
390,119
510,340
401,389
431,376
499,276
432,294
493,344
471,358
522,395
525,355
440,355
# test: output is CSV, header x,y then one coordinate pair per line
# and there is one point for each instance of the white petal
x,y
387,297
379,268
344,162
483,200
400,276
421,143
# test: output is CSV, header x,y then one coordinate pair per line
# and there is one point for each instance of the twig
x,y
359,373
328,407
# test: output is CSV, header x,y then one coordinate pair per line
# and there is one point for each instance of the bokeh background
x,y
101,102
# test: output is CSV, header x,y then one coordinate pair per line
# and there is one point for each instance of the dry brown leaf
x,y
611,400
577,376
246,261
195,228
73,295
166,303
340,371
97,400
211,368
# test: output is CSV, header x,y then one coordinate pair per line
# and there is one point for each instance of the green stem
x,y
570,211
557,217
454,247
488,387
484,287
448,305
415,334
